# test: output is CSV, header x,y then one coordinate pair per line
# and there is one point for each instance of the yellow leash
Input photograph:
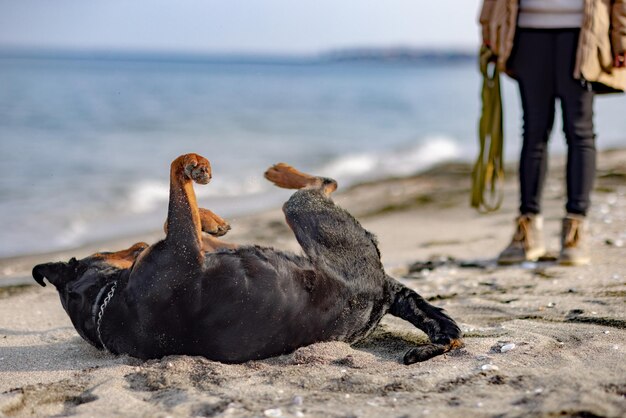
x,y
488,172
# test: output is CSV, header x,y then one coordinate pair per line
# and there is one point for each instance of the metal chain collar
x,y
106,301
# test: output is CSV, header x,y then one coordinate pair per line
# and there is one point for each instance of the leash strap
x,y
488,172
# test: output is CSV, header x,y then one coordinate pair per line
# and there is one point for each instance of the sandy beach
x,y
542,340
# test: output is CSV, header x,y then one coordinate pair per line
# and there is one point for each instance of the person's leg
x,y
532,64
577,105
533,67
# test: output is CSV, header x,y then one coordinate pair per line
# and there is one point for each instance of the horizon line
x,y
333,54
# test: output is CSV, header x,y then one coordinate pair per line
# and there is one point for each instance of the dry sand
x,y
564,327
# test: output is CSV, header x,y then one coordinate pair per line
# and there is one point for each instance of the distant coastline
x,y
395,55
399,55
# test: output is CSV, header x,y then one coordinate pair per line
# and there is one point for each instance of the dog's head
x,y
80,282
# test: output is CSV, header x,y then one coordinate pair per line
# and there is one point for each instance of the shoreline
x,y
405,193
541,339
16,269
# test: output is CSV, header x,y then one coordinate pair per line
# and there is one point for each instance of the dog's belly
x,y
273,323
266,308
266,332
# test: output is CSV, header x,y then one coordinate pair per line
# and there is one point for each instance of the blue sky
x,y
239,26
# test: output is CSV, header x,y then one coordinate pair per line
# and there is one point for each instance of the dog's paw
x,y
423,353
436,348
196,168
220,230
213,224
278,174
285,176
450,336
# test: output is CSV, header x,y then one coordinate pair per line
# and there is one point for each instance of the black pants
x,y
543,62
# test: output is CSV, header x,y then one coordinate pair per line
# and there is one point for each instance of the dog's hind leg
x,y
124,258
443,332
285,176
332,239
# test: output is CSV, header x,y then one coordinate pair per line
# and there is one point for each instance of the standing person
x,y
565,49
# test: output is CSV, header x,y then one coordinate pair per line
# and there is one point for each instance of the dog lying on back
x,y
194,294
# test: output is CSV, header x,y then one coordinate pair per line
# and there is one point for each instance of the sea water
x,y
86,143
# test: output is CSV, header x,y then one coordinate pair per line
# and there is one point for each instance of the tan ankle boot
x,y
527,243
574,241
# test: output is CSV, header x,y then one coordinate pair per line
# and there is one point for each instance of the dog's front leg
x,y
210,223
184,225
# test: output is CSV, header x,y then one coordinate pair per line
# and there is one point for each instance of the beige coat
x,y
602,35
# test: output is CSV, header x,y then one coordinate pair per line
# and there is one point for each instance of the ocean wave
x,y
146,196
404,161
225,187
72,234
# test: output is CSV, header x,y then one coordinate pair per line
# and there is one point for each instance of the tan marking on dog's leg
x,y
210,223
456,344
125,258
285,176
213,224
211,244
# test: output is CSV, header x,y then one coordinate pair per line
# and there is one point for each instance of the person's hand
x,y
486,44
620,60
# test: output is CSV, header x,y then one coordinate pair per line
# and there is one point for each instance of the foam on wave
x,y
393,163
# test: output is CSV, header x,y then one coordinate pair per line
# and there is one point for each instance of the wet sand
x,y
541,339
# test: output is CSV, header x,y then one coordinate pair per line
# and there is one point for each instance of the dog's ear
x,y
57,273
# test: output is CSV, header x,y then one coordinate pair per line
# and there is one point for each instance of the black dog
x,y
193,294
